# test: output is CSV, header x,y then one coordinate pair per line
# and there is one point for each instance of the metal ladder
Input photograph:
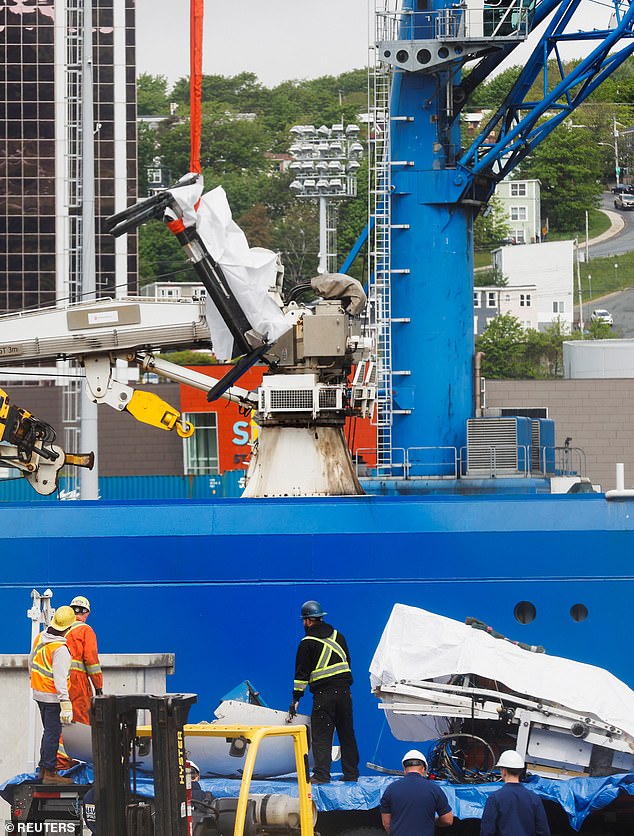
x,y
379,290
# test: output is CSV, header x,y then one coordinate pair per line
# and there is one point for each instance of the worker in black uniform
x,y
323,663
414,806
514,810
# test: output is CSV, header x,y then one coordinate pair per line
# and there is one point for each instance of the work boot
x,y
50,776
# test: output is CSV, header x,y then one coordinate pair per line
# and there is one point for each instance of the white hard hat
x,y
511,760
410,758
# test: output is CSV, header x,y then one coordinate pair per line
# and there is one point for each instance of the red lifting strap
x,y
197,10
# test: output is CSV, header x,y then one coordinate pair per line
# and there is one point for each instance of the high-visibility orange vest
x,y
42,666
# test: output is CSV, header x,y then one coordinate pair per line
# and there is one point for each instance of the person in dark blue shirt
x,y
414,806
514,810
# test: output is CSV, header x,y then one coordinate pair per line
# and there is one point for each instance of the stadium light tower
x,y
325,164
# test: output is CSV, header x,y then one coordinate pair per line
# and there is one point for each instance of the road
x,y
621,303
621,243
621,306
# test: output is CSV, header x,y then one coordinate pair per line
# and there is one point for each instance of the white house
x,y
491,301
522,203
174,290
550,268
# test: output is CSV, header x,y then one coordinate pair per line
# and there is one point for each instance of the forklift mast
x,y
114,730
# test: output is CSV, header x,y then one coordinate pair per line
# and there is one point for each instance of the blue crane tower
x,y
427,189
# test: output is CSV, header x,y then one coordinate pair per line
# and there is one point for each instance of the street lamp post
x,y
325,164
616,273
589,287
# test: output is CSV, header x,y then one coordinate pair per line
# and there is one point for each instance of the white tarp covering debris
x,y
250,271
418,645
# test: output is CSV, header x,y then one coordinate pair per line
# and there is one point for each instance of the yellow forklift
x,y
172,811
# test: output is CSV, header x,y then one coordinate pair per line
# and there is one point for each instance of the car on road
x,y
624,201
601,315
621,188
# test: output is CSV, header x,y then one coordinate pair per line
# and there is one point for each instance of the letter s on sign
x,y
240,432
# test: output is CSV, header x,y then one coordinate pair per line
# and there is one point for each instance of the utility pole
x,y
89,479
582,324
617,167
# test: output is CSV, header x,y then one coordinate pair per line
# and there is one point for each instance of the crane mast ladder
x,y
380,309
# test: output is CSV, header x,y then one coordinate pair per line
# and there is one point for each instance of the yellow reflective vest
x,y
332,661
42,666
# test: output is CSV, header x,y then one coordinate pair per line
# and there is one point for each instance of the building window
x,y
558,307
491,299
476,298
507,297
519,213
518,189
201,449
525,300
169,292
520,237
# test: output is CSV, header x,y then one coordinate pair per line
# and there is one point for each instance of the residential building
x,y
174,290
519,301
522,204
41,161
550,268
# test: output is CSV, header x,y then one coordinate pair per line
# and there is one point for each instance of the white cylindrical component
x,y
280,811
620,476
197,380
323,237
302,461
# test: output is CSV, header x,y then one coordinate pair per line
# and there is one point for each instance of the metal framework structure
x,y
425,192
73,198
519,125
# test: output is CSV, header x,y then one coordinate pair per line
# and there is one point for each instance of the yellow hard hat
x,y
63,618
80,601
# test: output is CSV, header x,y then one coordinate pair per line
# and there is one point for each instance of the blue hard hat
x,y
312,609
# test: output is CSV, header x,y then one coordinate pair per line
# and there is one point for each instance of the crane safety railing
x,y
491,461
568,461
463,22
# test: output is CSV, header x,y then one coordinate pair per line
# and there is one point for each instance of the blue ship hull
x,y
220,583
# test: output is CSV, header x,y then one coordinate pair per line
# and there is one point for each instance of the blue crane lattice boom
x,y
519,125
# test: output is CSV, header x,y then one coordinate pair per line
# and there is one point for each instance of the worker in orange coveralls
x,y
84,667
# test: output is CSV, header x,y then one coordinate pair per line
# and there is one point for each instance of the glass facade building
x,y
40,149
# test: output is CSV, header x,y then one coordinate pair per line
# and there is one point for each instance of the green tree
x,y
504,345
491,228
491,94
256,225
161,256
599,330
491,277
146,151
296,237
190,358
151,95
569,169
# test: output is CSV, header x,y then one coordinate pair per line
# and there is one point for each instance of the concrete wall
x,y
598,358
123,673
597,414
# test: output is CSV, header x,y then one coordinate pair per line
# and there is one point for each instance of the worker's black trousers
x,y
332,711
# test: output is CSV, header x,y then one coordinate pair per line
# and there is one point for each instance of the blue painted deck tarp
x,y
577,796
